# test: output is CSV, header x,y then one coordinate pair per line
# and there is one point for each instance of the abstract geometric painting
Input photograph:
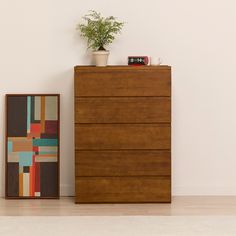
x,y
32,146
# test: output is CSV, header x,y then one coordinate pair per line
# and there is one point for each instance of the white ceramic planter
x,y
101,57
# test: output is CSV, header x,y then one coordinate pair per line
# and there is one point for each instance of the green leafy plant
x,y
99,31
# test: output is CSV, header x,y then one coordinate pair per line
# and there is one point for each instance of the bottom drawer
x,y
123,189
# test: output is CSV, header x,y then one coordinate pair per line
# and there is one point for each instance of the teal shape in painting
x,y
28,113
45,142
25,158
9,146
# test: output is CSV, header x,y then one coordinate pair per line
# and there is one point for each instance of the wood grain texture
x,y
123,81
123,110
122,136
123,189
89,69
122,163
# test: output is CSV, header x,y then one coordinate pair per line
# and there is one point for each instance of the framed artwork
x,y
32,145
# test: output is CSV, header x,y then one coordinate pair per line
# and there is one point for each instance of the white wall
x,y
39,47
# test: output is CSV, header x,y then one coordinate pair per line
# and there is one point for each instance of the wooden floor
x,y
180,206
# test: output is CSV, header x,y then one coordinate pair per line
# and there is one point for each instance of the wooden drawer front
x,y
123,189
122,136
123,110
123,83
122,163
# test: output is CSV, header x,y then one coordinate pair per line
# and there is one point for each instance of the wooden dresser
x,y
122,134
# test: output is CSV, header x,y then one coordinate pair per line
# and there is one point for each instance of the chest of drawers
x,y
122,134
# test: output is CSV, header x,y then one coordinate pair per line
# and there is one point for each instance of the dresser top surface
x,y
120,67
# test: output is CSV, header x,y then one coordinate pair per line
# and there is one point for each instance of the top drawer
x,y
123,81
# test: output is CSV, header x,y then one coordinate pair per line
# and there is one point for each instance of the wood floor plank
x,y
180,206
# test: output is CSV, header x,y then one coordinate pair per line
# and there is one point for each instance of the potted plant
x,y
99,32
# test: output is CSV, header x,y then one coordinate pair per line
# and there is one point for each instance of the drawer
x,y
123,163
123,110
125,82
122,136
123,189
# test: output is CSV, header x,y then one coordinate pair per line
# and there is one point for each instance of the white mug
x,y
155,61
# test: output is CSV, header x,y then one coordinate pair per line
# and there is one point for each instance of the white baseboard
x,y
68,191
203,191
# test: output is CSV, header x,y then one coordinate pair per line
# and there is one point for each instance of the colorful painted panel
x,y
32,146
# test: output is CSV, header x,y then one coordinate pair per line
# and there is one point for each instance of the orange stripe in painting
x,y
43,111
21,185
33,135
32,181
22,145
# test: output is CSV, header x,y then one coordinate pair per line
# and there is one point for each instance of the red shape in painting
x,y
32,178
35,149
35,128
